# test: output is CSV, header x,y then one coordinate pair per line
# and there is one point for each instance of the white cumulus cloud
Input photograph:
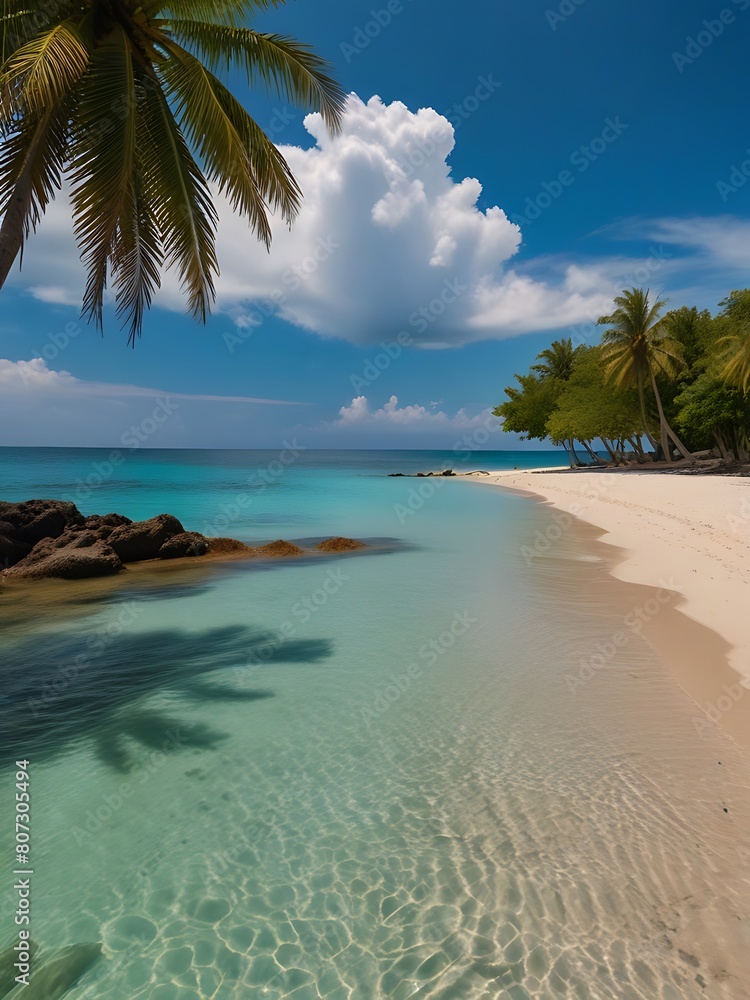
x,y
387,240
411,417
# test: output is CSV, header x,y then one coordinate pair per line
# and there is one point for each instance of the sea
x,y
421,769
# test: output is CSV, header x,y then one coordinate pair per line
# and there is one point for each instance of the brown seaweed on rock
x,y
340,544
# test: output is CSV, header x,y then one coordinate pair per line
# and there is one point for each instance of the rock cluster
x,y
425,475
51,538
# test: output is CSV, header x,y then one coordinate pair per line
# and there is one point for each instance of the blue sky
x,y
600,129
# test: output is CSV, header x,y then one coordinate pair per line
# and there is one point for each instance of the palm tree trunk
x,y
11,233
591,452
573,451
722,446
610,450
741,444
636,445
666,430
644,418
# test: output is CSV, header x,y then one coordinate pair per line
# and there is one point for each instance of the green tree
x,y
588,407
637,348
714,412
694,330
528,406
556,361
121,97
735,345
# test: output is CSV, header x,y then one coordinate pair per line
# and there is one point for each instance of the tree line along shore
x,y
659,387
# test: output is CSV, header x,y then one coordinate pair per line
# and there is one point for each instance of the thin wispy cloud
x,y
36,377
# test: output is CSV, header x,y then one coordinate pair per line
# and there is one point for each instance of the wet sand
x,y
649,749
680,534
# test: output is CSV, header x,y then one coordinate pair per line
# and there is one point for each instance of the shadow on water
x,y
55,696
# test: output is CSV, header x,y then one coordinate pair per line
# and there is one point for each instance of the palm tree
x,y
736,368
121,99
637,348
557,360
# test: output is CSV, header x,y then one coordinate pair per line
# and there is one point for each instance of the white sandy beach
x,y
690,534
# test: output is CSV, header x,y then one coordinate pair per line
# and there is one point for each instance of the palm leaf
x,y
137,256
281,64
18,24
32,159
106,91
103,165
43,72
182,202
735,360
236,152
235,12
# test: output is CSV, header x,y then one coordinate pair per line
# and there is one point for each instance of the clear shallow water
x,y
363,777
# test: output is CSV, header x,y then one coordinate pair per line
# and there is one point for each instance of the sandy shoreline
x,y
687,534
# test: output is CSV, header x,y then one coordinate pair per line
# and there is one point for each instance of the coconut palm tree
x,y
734,347
637,348
121,99
736,368
557,360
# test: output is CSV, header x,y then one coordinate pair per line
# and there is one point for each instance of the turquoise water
x,y
355,777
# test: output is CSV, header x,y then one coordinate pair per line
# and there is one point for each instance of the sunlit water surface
x,y
358,777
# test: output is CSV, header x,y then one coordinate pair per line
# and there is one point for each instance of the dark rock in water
x,y
56,977
280,548
11,550
395,475
143,539
34,520
449,472
51,538
73,556
104,524
187,543
421,475
340,544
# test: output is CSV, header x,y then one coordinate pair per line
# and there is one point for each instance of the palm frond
x,y
620,364
735,360
235,12
234,149
103,167
182,202
19,23
280,63
666,356
43,72
32,159
115,95
137,255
